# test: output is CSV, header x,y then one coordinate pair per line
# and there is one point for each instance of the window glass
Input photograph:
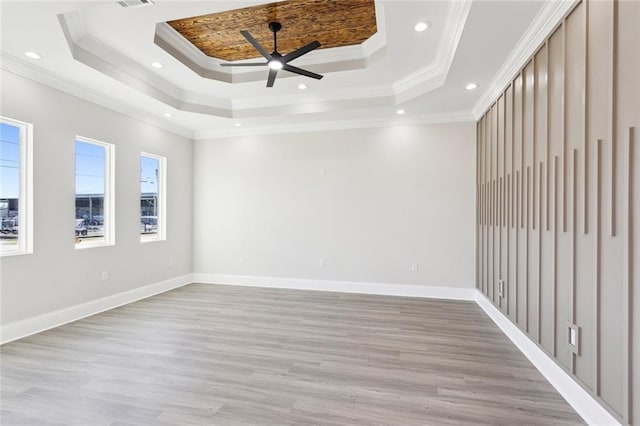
x,y
151,197
92,193
15,177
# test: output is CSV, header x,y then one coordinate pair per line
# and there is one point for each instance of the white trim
x,y
32,72
161,224
454,117
95,54
584,404
25,188
23,328
109,202
435,74
551,13
579,399
387,289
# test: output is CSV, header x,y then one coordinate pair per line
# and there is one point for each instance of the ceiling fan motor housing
x,y
275,26
276,61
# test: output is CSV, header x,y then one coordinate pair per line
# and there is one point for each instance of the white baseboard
x,y
406,290
19,329
584,404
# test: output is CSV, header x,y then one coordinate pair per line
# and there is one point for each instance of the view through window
x,y
151,202
9,186
92,193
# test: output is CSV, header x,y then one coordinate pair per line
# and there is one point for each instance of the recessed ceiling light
x,y
421,26
400,111
471,86
157,65
302,86
168,115
238,124
32,55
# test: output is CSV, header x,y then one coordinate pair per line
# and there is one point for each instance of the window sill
x,y
146,239
15,253
82,246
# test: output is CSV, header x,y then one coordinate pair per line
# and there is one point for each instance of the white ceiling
x,y
103,52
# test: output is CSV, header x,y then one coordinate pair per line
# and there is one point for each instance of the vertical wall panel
x,y
478,258
496,203
540,155
563,267
520,289
611,256
627,122
531,239
574,139
502,168
511,236
599,42
559,163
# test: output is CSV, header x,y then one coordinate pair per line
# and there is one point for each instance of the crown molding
x,y
547,19
364,94
434,75
27,70
454,117
342,58
92,52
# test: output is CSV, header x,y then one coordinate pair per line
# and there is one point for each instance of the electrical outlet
x,y
573,338
323,263
242,260
414,267
171,263
105,275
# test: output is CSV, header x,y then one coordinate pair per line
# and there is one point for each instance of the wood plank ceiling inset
x,y
333,23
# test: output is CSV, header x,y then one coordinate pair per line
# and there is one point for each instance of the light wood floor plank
x,y
205,354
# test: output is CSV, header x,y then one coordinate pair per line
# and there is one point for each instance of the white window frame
x,y
161,235
25,193
109,202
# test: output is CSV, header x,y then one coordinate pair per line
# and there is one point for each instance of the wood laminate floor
x,y
218,355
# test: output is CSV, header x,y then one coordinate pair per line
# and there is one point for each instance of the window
x,y
16,165
152,197
94,216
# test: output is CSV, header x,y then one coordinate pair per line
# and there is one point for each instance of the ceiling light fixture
x,y
275,64
238,124
421,26
168,115
302,86
157,65
32,55
275,60
471,86
400,111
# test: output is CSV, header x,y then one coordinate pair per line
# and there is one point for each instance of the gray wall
x,y
369,202
558,205
57,275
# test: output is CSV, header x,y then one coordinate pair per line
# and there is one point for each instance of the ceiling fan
x,y
276,61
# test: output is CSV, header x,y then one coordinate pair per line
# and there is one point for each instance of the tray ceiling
x,y
108,54
332,23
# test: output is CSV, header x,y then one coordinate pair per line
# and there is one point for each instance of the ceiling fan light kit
x,y
276,61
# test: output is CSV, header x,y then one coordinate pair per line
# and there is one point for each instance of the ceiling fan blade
x,y
255,44
297,53
300,71
231,64
272,77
